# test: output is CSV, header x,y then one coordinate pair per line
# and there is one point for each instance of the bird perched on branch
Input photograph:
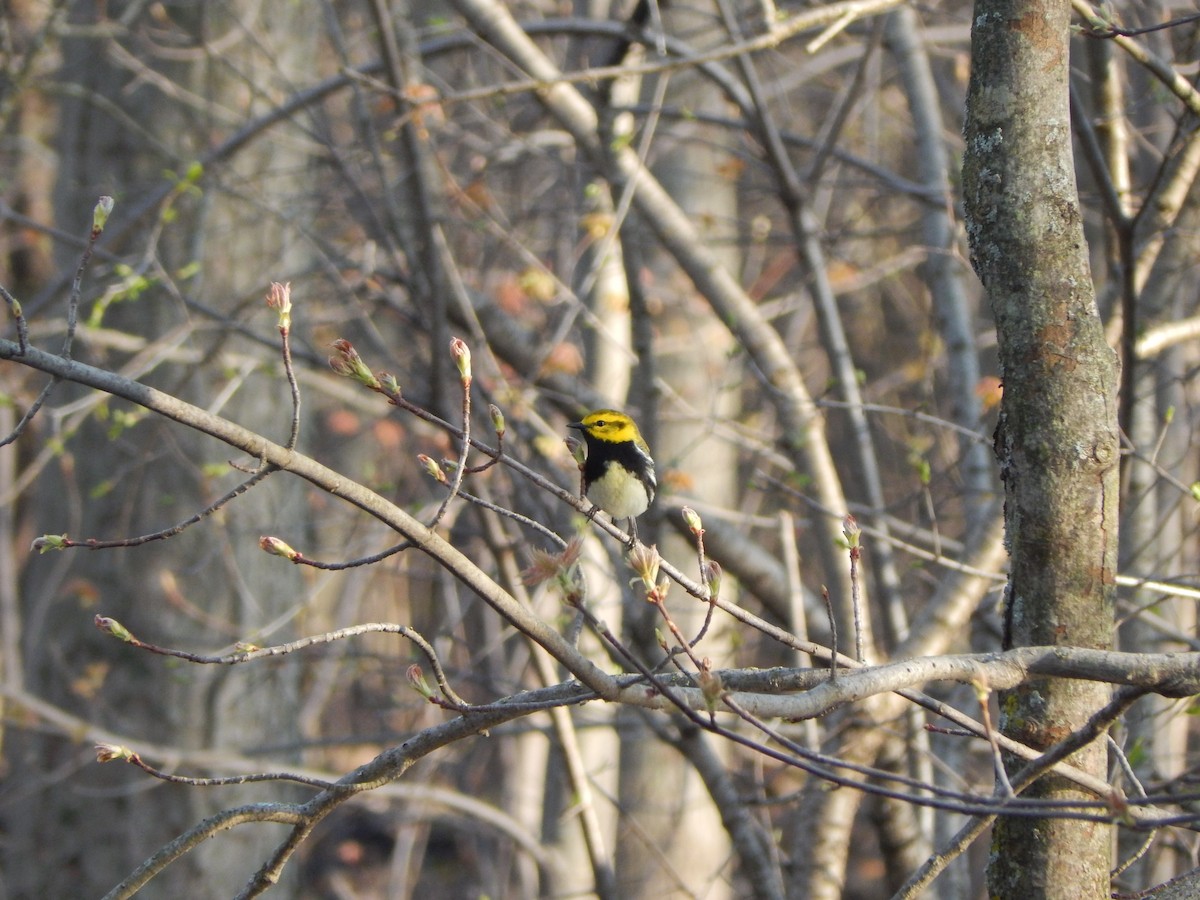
x,y
618,475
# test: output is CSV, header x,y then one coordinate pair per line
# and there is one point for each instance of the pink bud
x,y
350,364
416,680
851,530
432,469
109,752
280,297
462,358
276,547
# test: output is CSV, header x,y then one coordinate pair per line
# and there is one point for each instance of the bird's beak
x,y
576,425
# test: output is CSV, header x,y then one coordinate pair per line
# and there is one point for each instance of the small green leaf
x,y
103,489
621,141
1136,754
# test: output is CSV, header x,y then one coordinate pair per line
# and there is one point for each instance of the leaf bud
x,y
644,560
48,542
498,424
432,468
578,453
280,297
712,577
116,629
416,680
462,358
109,752
350,364
710,685
276,547
851,531
388,384
100,214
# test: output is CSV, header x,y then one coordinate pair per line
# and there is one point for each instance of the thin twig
x,y
99,219
709,572
833,634
1003,786
14,306
853,538
65,543
248,653
462,357
302,560
135,760
280,297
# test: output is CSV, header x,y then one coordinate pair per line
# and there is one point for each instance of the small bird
x,y
618,476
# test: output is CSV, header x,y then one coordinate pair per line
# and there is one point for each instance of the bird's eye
x,y
601,423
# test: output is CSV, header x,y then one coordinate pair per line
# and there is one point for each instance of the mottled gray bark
x,y
1057,439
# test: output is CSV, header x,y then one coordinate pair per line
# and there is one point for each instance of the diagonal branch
x,y
802,423
332,482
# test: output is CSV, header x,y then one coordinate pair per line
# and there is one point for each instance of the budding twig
x,y
280,297
245,651
1003,786
112,752
462,359
710,571
49,542
853,541
277,547
833,634
14,307
100,214
499,426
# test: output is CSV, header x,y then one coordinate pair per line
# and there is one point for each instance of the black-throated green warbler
x,y
618,475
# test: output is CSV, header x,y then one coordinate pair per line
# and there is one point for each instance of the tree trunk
x,y
1057,438
680,842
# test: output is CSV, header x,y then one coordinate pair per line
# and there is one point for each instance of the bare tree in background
x,y
752,239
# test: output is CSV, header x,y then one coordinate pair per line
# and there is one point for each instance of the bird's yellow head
x,y
609,426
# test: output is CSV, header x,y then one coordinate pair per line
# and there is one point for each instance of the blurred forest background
x,y
740,221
